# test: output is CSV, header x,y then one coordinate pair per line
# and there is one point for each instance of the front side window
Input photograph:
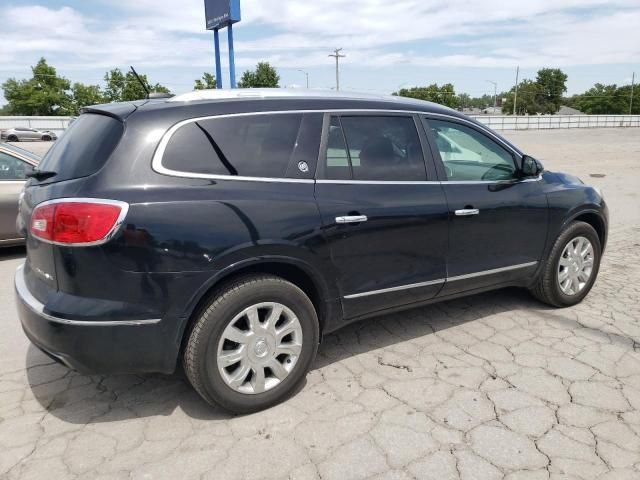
x,y
245,145
468,155
12,168
374,148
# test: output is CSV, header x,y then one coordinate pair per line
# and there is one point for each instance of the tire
x,y
12,138
548,287
46,138
208,339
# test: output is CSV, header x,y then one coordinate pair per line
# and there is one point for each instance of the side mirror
x,y
531,167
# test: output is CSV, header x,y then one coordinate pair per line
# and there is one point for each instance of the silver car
x,y
18,134
15,164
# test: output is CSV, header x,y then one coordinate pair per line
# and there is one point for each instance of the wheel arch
x,y
298,272
593,218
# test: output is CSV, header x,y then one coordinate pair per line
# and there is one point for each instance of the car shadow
x,y
76,398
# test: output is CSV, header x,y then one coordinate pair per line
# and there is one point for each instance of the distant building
x,y
564,110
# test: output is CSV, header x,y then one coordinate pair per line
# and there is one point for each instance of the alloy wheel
x,y
259,348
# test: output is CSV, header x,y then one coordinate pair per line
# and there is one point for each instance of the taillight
x,y
79,222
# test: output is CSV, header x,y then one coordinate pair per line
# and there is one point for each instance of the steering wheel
x,y
498,172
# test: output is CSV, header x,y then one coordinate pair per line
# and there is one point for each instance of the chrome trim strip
x,y
440,281
38,308
425,182
379,182
157,166
396,289
123,213
491,272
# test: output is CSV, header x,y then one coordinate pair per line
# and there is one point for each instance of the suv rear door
x,y
384,217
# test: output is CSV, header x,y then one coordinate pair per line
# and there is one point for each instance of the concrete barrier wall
x,y
497,122
540,122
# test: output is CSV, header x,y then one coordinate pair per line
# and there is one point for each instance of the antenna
x,y
144,86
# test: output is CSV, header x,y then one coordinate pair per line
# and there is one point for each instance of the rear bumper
x,y
122,346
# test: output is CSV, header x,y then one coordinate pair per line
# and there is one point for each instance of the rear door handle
x,y
352,219
466,212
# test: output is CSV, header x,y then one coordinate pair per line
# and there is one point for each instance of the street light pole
x,y
336,54
495,94
307,75
515,97
633,81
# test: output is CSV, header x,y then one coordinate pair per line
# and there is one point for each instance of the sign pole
x,y
232,62
216,40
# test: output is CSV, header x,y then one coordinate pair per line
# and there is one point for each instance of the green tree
x,y
527,101
208,81
444,95
544,95
552,83
264,76
85,95
45,93
122,87
603,99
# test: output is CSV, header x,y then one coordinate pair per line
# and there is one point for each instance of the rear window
x,y
247,145
83,148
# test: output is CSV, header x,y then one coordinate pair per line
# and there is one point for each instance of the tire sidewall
x,y
218,319
579,229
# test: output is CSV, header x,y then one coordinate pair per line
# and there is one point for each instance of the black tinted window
x,y
377,148
251,146
83,148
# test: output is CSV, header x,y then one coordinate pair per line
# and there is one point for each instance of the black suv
x,y
232,229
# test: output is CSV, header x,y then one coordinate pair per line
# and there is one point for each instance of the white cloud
x,y
374,33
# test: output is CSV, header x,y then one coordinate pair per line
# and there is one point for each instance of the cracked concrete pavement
x,y
495,386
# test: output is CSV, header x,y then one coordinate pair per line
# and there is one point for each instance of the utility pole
x,y
337,55
495,94
515,97
307,75
633,81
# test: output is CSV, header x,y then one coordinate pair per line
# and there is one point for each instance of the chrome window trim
x,y
427,182
38,308
158,167
123,213
441,280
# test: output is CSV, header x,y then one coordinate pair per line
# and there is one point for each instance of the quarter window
x,y
469,155
251,146
374,148
12,168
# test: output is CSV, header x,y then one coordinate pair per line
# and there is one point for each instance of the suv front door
x,y
385,223
498,219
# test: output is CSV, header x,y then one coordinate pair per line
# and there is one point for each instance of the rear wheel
x,y
253,345
12,138
571,268
46,138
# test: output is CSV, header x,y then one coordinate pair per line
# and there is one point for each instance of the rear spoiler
x,y
119,111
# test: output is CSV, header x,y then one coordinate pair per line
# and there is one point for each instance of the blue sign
x,y
221,13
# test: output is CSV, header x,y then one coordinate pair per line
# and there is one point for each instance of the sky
x,y
388,44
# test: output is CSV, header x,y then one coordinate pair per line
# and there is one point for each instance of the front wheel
x,y
252,346
571,267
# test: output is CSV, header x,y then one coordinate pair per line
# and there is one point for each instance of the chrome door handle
x,y
466,212
352,219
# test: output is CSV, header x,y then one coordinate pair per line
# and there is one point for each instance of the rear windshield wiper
x,y
40,175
